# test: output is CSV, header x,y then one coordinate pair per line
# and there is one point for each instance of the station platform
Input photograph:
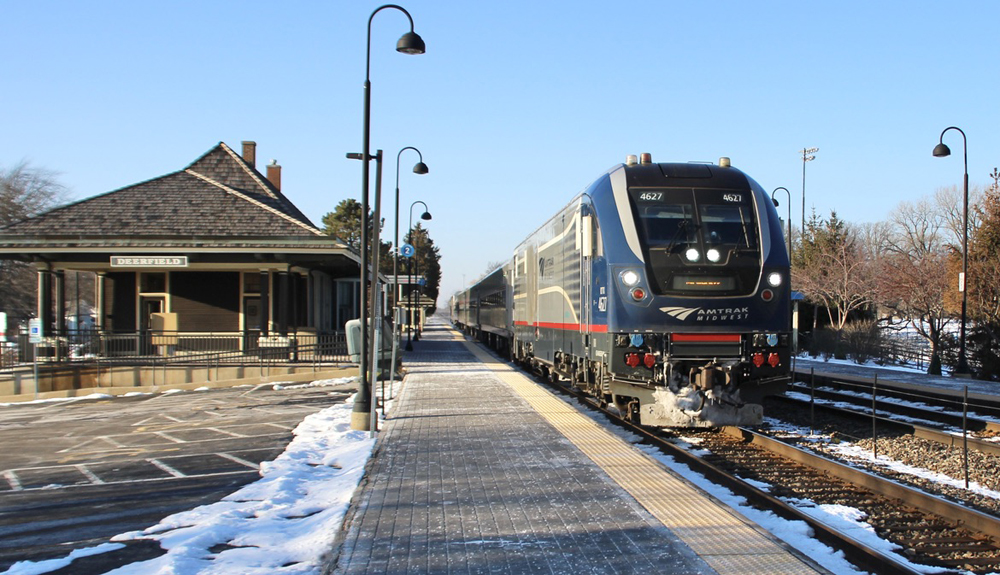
x,y
479,469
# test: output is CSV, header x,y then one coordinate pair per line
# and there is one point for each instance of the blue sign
x,y
35,333
407,250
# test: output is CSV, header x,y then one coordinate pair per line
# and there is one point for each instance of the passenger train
x,y
663,288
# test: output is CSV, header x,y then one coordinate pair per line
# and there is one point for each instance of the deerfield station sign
x,y
149,261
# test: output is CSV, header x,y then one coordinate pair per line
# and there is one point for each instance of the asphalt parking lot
x,y
73,474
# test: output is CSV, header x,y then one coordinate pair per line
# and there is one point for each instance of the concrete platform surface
x,y
481,470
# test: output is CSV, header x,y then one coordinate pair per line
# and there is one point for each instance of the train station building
x,y
214,251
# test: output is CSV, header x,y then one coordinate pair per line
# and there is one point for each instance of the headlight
x,y
630,278
692,255
713,255
774,279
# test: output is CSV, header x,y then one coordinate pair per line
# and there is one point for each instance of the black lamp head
x,y
941,150
420,168
411,43
425,216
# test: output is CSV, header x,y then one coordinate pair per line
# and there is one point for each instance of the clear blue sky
x,y
516,106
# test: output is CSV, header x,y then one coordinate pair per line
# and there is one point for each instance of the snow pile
x,y
283,523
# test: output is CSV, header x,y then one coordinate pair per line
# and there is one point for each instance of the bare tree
x,y
913,279
24,192
949,202
832,269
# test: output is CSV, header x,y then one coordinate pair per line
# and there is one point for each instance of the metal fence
x,y
175,348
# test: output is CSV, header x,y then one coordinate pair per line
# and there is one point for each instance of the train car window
x,y
668,223
727,224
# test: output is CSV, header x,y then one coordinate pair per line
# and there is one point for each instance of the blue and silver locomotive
x,y
662,288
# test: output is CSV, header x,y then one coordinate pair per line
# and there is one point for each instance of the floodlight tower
x,y
808,155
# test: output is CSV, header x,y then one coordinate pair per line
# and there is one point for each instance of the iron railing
x,y
175,348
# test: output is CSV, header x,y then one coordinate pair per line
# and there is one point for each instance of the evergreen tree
x,y
983,285
344,223
427,259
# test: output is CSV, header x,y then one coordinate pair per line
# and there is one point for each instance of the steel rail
x,y
855,551
952,399
910,428
964,516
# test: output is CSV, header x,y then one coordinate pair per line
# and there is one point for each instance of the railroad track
x,y
927,529
885,422
943,407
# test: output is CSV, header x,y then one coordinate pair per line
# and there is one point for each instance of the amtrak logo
x,y
710,314
680,313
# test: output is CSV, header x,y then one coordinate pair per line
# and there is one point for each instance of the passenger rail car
x,y
663,288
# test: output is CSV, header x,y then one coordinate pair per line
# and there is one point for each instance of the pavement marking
x,y
281,427
108,439
144,421
239,460
164,467
147,480
224,432
169,437
124,446
11,477
79,445
89,474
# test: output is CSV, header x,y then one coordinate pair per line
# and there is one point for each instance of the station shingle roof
x,y
220,195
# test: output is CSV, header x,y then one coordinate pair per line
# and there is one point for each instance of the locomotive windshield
x,y
699,240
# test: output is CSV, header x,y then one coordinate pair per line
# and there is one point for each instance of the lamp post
x,y
409,296
789,242
941,151
808,155
419,168
409,43
793,307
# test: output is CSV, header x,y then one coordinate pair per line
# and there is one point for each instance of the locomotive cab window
x,y
698,240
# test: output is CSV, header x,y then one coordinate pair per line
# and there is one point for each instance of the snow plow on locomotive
x,y
662,288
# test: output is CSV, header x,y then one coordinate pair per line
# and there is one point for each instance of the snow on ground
x,y
797,534
284,522
809,361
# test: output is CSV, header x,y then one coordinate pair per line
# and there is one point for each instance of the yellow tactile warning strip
x,y
724,540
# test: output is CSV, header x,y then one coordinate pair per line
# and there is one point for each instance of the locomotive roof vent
x,y
724,162
646,158
631,160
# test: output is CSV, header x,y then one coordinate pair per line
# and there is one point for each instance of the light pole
x,y
808,155
409,43
409,296
789,242
941,151
419,168
793,308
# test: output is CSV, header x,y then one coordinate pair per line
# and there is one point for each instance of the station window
x,y
251,282
153,282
